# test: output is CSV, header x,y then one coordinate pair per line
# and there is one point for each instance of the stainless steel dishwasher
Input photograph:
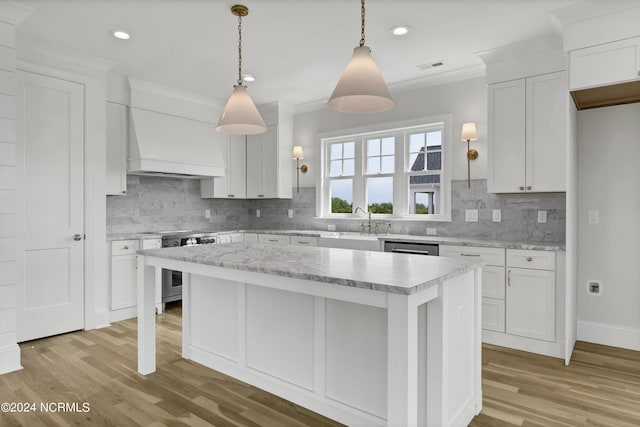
x,y
416,248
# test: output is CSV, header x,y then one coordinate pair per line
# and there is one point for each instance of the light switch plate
x,y
542,217
290,213
593,217
432,231
471,215
496,215
331,227
207,213
257,213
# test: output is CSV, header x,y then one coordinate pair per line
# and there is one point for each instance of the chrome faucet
x,y
369,226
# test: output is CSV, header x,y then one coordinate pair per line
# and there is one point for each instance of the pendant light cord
x,y
362,23
240,49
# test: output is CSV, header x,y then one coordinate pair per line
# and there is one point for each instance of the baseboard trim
x,y
102,319
123,314
10,359
611,335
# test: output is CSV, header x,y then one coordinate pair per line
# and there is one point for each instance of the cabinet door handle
x,y
528,187
124,248
521,188
230,195
529,259
509,278
273,240
260,195
469,254
302,243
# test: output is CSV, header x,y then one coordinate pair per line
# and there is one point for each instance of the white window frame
x,y
401,168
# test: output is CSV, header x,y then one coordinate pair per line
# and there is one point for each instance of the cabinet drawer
x,y
151,244
493,314
277,239
491,256
538,260
493,282
304,241
124,247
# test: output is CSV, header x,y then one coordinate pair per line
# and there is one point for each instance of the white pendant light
x,y
361,89
240,115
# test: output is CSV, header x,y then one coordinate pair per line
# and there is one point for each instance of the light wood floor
x,y
601,387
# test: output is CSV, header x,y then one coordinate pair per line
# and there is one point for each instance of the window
x,y
401,172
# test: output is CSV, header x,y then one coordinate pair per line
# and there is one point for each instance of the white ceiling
x,y
297,49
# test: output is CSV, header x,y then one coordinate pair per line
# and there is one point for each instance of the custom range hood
x,y
170,135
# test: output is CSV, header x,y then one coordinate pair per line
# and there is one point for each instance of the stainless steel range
x,y
172,280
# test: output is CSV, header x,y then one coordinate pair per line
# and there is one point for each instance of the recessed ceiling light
x,y
249,78
401,30
120,34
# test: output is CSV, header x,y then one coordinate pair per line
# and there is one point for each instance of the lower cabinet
x,y
124,274
531,296
519,289
304,240
278,239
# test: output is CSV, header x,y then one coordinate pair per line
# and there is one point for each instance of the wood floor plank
x,y
601,387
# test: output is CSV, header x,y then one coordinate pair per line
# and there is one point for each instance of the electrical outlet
x,y
432,231
594,287
593,217
471,215
496,215
207,213
542,217
290,213
257,213
331,227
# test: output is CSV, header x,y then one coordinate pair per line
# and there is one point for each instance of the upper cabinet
x,y
117,131
234,184
264,169
605,64
528,121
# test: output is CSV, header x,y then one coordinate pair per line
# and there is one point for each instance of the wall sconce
x,y
298,155
469,133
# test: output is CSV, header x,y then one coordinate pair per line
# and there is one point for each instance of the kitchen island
x,y
365,338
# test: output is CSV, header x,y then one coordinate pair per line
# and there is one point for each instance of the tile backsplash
x,y
158,203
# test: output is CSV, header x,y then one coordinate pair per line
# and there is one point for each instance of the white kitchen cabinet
x,y
530,294
234,185
269,155
117,132
605,64
493,281
527,134
304,240
124,274
278,239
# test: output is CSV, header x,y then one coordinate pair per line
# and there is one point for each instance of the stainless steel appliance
x,y
171,279
417,248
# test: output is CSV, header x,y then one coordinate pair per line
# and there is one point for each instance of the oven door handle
x,y
410,251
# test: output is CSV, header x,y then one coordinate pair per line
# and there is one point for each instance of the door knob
x,y
77,237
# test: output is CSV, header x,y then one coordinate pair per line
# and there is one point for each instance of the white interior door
x,y
50,123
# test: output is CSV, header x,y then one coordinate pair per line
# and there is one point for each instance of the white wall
x,y
608,181
465,100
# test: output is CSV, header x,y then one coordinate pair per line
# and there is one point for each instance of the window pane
x,y
416,142
373,165
336,151
418,162
388,146
434,139
349,165
434,161
349,150
373,147
341,196
336,167
387,164
380,195
424,194
412,161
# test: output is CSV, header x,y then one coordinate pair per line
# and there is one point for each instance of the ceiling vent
x,y
431,65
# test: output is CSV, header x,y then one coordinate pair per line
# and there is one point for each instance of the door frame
x,y
92,75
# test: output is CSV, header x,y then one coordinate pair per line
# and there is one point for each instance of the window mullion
x,y
358,176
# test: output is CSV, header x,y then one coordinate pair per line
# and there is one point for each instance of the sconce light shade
x,y
361,89
297,152
469,132
240,116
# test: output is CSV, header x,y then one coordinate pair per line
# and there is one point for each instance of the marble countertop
x,y
380,271
442,240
